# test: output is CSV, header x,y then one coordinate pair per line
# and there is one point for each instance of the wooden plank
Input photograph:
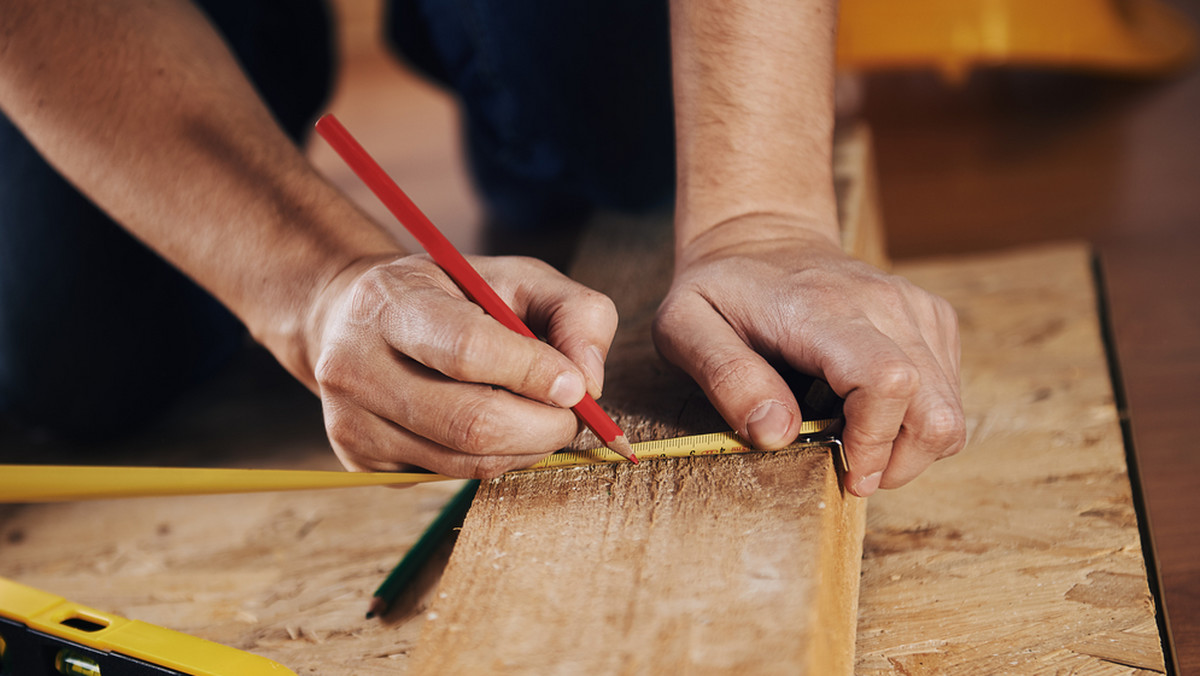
x,y
682,565
697,565
1022,554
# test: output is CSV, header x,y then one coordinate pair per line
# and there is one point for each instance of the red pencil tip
x,y
621,447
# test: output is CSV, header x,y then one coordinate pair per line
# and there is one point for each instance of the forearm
x,y
754,114
144,109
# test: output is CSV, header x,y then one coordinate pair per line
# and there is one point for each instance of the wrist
x,y
286,300
758,230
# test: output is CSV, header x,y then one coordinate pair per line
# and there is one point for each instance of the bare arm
x,y
760,277
754,115
142,107
140,104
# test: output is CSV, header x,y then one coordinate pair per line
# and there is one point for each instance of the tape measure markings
x,y
41,483
716,443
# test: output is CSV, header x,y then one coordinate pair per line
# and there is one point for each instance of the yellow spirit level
x,y
43,635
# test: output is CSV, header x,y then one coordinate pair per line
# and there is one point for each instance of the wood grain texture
x,y
701,565
696,565
1022,554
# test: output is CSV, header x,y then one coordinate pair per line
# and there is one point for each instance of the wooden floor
x,y
1004,160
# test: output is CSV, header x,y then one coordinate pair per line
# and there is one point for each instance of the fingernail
x,y
567,390
594,366
868,484
768,425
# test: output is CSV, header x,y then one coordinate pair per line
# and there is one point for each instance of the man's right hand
x,y
412,373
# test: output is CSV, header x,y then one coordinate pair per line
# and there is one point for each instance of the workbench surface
x,y
1021,554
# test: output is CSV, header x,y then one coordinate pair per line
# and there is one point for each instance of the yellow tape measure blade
x,y
812,432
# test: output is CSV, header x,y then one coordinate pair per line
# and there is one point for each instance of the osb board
x,y
287,576
1021,554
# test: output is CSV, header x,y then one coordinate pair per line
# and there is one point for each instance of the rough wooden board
x,y
717,565
1022,554
631,570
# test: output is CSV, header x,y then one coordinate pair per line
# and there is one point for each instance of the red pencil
x,y
450,260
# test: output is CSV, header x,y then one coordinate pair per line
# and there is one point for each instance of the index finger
x,y
455,337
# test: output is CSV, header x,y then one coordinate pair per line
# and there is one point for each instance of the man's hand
x,y
748,294
143,107
411,372
759,276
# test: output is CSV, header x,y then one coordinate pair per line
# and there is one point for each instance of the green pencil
x,y
402,575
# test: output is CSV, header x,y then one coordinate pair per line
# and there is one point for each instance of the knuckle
x,y
897,379
475,430
343,433
332,370
944,430
485,466
944,315
368,297
945,310
670,315
467,354
728,376
521,263
599,307
893,290
660,327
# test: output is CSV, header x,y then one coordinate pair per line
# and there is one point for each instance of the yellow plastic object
x,y
71,663
1130,37
54,615
52,483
